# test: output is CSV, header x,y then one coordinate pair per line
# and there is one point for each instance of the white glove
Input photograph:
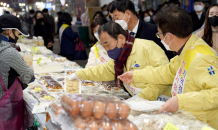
x,y
73,77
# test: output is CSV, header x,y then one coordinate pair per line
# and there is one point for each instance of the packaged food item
x,y
86,83
60,59
99,109
123,110
53,86
54,110
72,87
69,72
28,57
40,41
86,108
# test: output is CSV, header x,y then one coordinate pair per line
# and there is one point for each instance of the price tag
x,y
207,128
170,126
39,60
21,36
32,49
50,57
36,49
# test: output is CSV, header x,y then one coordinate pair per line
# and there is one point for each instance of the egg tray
x,y
55,110
97,106
80,123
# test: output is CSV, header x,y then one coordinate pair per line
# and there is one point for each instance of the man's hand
x,y
50,44
171,105
126,77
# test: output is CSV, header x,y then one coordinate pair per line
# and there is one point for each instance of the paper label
x,y
39,60
50,57
207,128
170,126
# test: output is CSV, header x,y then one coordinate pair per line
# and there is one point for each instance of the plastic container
x,y
40,41
28,57
35,40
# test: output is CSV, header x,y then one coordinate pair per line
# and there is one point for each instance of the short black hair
x,y
98,12
109,6
174,20
59,13
175,2
32,11
199,1
45,10
123,6
103,7
65,18
113,29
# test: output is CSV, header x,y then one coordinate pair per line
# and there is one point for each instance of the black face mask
x,y
213,21
39,21
13,40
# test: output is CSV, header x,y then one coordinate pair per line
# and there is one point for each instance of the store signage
x,y
48,5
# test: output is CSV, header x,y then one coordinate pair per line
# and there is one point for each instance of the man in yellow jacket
x,y
193,74
128,53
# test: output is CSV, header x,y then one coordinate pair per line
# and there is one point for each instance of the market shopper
x,y
50,20
198,15
124,14
146,17
192,74
210,32
13,75
44,29
67,37
98,55
128,53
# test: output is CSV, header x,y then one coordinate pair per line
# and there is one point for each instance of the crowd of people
x,y
168,54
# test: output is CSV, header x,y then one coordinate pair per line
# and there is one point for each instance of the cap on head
x,y
9,21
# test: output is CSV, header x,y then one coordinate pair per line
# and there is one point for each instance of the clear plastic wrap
x,y
55,110
182,120
72,87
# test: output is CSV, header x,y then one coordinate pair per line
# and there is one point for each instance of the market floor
x,y
56,50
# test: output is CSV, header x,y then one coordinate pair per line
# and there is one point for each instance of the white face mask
x,y
96,36
105,12
147,19
165,45
198,8
151,13
122,23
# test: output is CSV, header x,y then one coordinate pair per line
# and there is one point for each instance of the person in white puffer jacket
x,y
98,55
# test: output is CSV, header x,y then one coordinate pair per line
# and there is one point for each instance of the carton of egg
x,y
96,106
81,123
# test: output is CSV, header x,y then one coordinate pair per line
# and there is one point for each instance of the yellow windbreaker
x,y
144,53
200,94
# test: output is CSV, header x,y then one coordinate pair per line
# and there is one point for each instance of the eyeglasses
x,y
158,34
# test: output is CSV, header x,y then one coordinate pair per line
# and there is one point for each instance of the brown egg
x,y
74,107
80,124
130,126
58,111
111,110
123,111
99,109
106,125
64,101
93,125
86,108
118,125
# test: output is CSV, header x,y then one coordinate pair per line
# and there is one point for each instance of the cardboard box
x,y
90,3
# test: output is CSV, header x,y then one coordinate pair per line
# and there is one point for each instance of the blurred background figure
x,y
146,17
43,28
31,22
198,15
67,37
210,32
50,20
59,23
174,3
98,14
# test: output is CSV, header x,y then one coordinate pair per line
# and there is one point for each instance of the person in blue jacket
x,y
67,37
